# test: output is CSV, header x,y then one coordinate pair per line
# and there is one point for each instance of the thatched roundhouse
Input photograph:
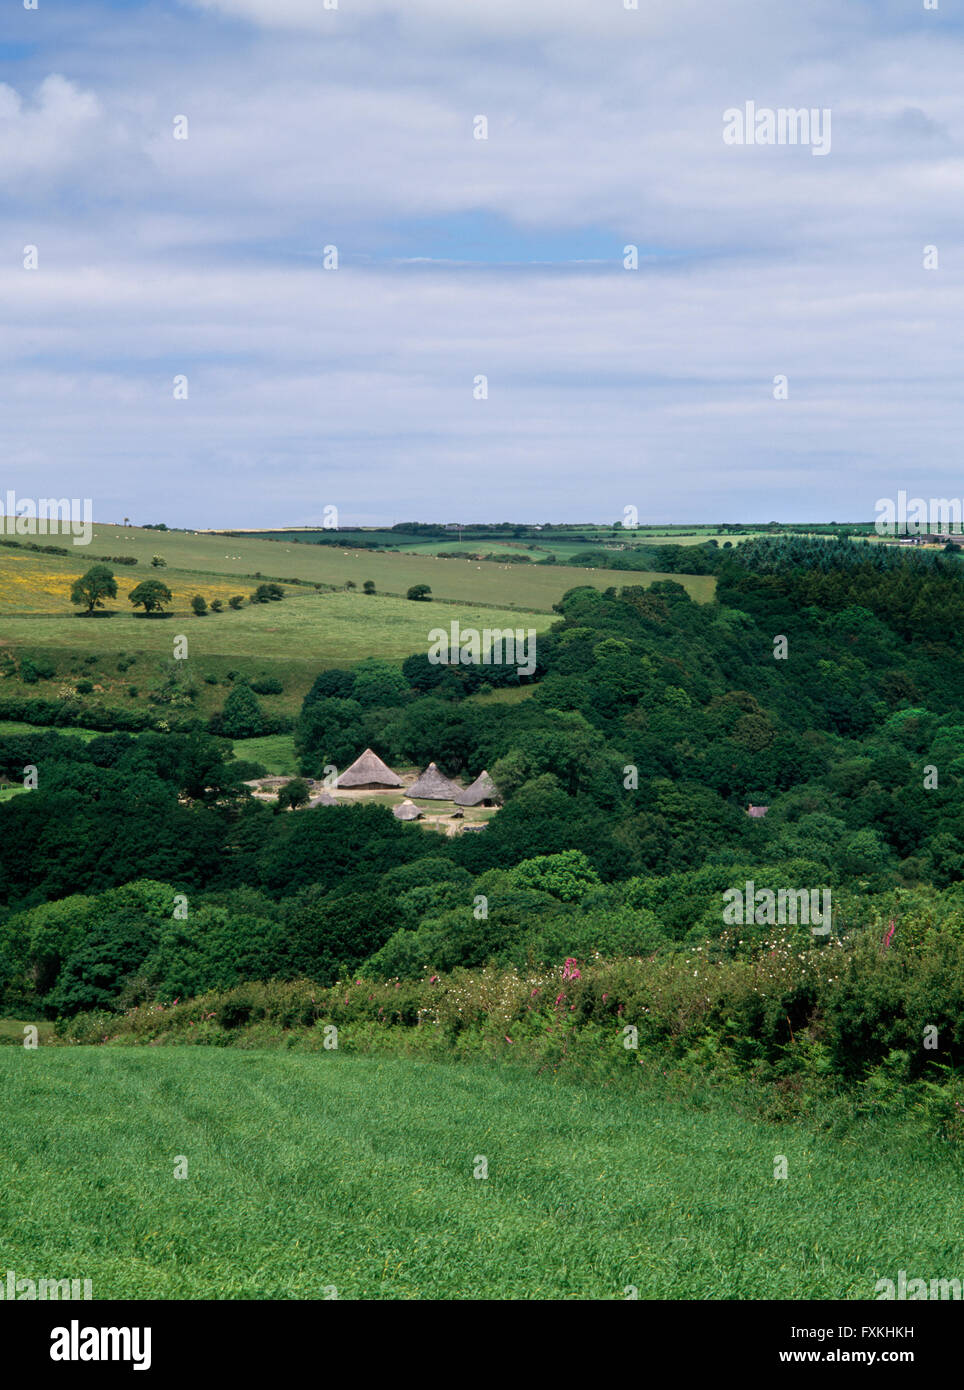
x,y
324,799
482,792
433,786
369,773
406,810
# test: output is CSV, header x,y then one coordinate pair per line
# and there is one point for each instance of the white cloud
x,y
47,134
355,127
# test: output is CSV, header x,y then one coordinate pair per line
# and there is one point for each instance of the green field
x,y
308,1172
275,752
193,557
292,640
309,630
15,726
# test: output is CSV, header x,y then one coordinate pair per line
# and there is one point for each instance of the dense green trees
x,y
626,772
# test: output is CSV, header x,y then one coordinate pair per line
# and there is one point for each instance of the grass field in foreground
x,y
311,1171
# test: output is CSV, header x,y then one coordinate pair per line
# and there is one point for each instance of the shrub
x,y
567,876
241,716
267,685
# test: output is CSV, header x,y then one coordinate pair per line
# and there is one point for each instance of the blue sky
x,y
607,387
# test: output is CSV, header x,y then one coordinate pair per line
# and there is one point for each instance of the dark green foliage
x,y
654,722
151,595
294,794
241,716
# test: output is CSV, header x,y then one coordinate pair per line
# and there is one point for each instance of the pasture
x,y
124,653
201,561
313,1172
293,639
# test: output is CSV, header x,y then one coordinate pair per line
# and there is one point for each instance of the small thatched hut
x,y
757,812
369,773
482,792
432,786
323,799
406,810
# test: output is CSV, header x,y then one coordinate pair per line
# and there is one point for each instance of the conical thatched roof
x,y
406,810
369,771
323,799
432,786
482,789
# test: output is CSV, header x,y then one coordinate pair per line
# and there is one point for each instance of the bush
x,y
241,716
567,876
199,605
84,687
32,671
235,601
294,793
267,685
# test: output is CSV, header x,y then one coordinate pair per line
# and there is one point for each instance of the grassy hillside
x,y
124,654
312,1171
293,640
518,586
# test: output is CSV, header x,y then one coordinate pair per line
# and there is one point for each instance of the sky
x,y
359,386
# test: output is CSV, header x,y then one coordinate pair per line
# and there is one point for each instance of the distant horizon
x,y
388,525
